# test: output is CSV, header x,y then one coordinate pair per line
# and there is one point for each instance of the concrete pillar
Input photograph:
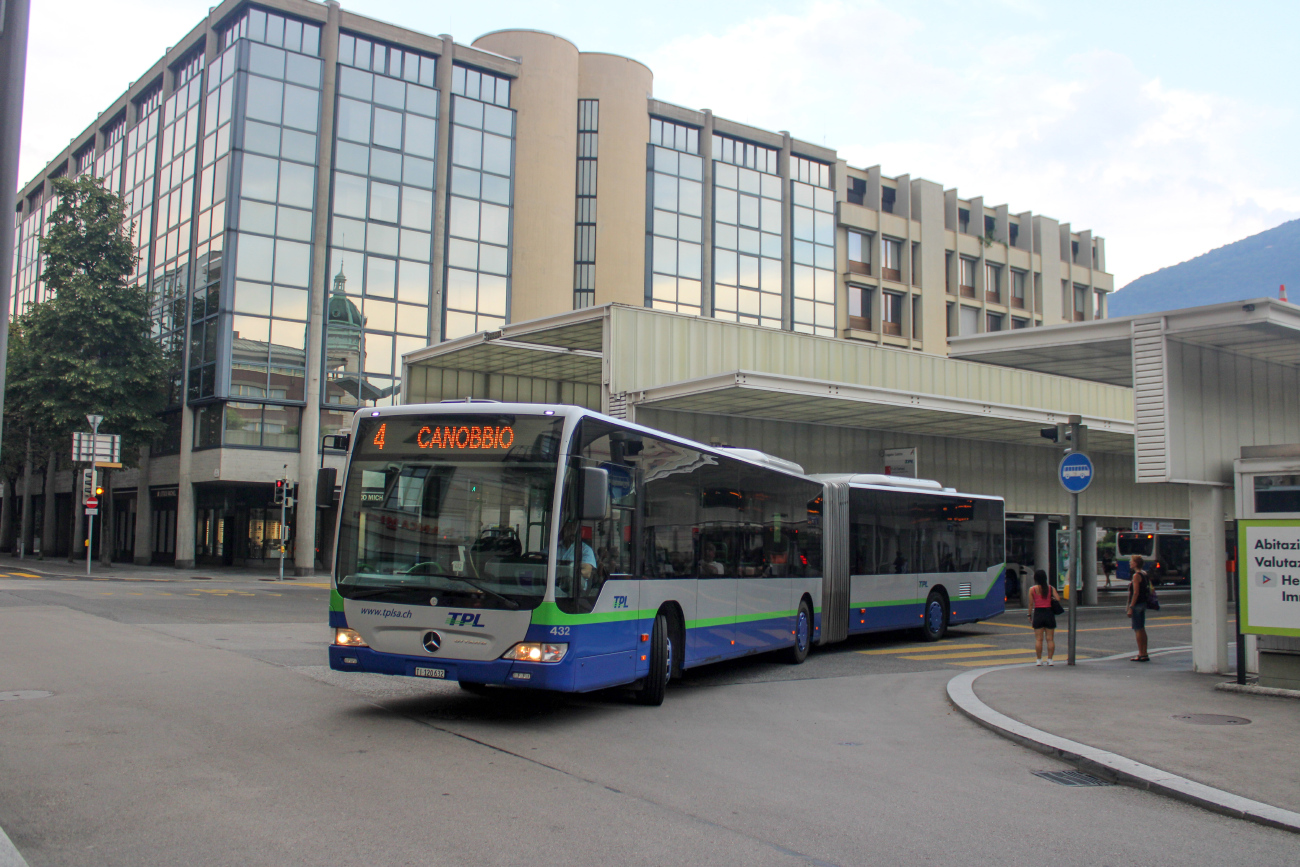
x,y
185,491
1043,545
143,513
442,171
1209,580
1089,546
304,547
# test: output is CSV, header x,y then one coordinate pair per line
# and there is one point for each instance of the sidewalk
x,y
1121,720
58,567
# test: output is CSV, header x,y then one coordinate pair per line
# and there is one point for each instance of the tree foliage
x,y
87,346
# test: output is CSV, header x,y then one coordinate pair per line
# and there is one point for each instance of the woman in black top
x,y
1139,591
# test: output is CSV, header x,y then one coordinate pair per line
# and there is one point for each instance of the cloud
x,y
1026,118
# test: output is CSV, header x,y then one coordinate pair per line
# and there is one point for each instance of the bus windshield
x,y
453,509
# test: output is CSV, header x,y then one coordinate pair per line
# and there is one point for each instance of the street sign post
x,y
93,448
1075,474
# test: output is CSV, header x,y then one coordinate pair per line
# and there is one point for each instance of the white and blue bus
x,y
551,547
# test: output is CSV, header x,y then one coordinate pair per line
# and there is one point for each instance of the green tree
x,y
89,345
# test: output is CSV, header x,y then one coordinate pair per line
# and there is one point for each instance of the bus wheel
x,y
661,664
802,635
935,618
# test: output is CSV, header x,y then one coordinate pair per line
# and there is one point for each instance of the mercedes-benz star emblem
x,y
433,600
432,641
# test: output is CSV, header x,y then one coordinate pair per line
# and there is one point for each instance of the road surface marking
x,y
969,655
913,648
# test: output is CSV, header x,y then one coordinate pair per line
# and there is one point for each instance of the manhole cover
x,y
849,744
1211,719
17,694
1072,778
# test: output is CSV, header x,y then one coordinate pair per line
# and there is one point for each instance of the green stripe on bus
x,y
336,601
549,614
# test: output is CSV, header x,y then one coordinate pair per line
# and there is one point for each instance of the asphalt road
x,y
197,723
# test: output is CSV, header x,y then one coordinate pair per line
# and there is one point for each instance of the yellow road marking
x,y
308,584
27,575
959,655
920,649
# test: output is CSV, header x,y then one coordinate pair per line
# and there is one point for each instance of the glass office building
x,y
315,194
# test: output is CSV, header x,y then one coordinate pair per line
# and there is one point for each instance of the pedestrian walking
x,y
1139,593
1108,566
1042,616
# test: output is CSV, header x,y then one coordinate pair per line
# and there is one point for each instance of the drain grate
x,y
1211,719
1072,778
19,694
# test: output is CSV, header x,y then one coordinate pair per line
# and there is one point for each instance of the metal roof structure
x,y
1262,329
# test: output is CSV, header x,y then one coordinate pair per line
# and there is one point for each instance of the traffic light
x,y
99,490
280,485
87,484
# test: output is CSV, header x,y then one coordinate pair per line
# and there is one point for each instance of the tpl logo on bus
x,y
464,618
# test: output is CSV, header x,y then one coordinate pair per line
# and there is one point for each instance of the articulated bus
x,y
1166,555
551,547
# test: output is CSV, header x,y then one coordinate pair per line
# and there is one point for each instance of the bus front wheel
x,y
934,620
661,664
802,635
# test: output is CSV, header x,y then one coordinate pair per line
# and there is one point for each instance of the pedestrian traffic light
x,y
279,491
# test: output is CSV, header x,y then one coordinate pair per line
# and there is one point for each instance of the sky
x,y
1168,128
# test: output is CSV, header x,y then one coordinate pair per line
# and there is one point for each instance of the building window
x,y
584,245
1080,302
84,160
859,253
271,29
860,299
1014,231
857,191
891,313
388,60
969,321
947,272
888,197
990,226
993,322
1018,289
674,254
992,283
1099,304
963,220
479,205
810,172
966,278
916,264
1074,252
745,154
483,86
1017,322
892,252
747,217
674,136
813,216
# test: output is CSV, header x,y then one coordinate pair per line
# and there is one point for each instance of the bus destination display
x,y
474,436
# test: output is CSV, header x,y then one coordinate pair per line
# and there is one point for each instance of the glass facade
x,y
747,283
676,203
814,247
381,231
479,204
584,232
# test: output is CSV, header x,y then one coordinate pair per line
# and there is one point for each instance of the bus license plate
x,y
431,672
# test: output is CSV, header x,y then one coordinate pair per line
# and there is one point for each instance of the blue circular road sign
x,y
1075,472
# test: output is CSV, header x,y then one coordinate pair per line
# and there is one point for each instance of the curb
x,y
1111,766
9,854
1256,689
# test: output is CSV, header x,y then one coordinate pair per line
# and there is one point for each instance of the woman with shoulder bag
x,y
1139,594
1043,604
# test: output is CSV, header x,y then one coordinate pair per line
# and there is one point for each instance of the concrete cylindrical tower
x,y
545,98
622,86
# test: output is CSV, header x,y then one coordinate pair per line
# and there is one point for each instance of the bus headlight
x,y
533,652
349,638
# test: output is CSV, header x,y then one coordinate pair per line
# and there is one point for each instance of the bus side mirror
x,y
339,442
595,493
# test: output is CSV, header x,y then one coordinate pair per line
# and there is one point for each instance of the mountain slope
x,y
1251,268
